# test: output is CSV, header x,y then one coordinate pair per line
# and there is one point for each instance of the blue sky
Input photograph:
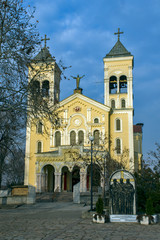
x,y
82,32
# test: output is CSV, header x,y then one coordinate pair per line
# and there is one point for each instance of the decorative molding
x,y
117,59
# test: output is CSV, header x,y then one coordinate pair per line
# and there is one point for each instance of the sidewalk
x,y
59,221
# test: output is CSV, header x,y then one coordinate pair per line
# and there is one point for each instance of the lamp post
x,y
104,193
91,138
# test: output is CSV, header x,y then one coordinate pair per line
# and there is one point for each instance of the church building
x,y
55,159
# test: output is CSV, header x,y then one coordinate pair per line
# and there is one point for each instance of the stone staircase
x,y
54,197
44,197
63,197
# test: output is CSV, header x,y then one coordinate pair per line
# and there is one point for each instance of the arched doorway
x,y
66,179
75,176
48,178
96,177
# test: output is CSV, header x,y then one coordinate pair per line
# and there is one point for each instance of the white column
x,y
106,85
83,181
38,176
57,186
130,87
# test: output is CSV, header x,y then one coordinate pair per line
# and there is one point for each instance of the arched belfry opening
x,y
123,84
48,178
35,87
113,84
45,88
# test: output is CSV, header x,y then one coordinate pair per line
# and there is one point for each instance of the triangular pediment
x,y
88,100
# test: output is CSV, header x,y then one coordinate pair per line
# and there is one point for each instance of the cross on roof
x,y
118,33
45,40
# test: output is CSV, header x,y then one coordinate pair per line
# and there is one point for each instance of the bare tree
x,y
103,163
154,158
19,42
14,168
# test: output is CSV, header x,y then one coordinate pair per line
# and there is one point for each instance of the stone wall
x,y
19,195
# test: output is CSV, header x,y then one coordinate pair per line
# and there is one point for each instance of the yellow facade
x,y
55,153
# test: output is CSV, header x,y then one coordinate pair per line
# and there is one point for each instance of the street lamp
x,y
91,138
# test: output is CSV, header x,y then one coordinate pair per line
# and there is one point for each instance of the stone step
x,y
44,197
63,197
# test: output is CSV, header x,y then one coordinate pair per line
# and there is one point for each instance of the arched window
x,y
45,88
113,84
96,137
39,147
57,139
123,103
96,120
118,146
118,124
72,138
112,103
80,137
39,127
123,84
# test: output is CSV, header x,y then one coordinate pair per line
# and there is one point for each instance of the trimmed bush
x,y
149,207
99,206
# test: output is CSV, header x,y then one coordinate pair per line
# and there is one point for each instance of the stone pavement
x,y
60,221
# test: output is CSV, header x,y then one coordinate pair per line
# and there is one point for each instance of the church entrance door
x,y
48,178
66,179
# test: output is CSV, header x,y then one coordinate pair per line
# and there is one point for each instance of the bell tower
x,y
118,78
118,95
44,79
45,74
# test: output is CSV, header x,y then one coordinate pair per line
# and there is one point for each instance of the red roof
x,y
137,128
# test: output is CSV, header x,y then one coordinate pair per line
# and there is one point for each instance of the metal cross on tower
x,y
45,40
118,33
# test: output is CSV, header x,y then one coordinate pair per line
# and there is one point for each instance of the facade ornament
x,y
77,80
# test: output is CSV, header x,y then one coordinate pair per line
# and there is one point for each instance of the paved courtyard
x,y
59,221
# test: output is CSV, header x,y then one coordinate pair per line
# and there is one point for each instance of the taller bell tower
x,y
118,78
118,94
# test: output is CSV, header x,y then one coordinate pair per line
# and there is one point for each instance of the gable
x,y
83,100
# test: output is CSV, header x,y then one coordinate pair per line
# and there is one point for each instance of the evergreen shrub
x,y
99,206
